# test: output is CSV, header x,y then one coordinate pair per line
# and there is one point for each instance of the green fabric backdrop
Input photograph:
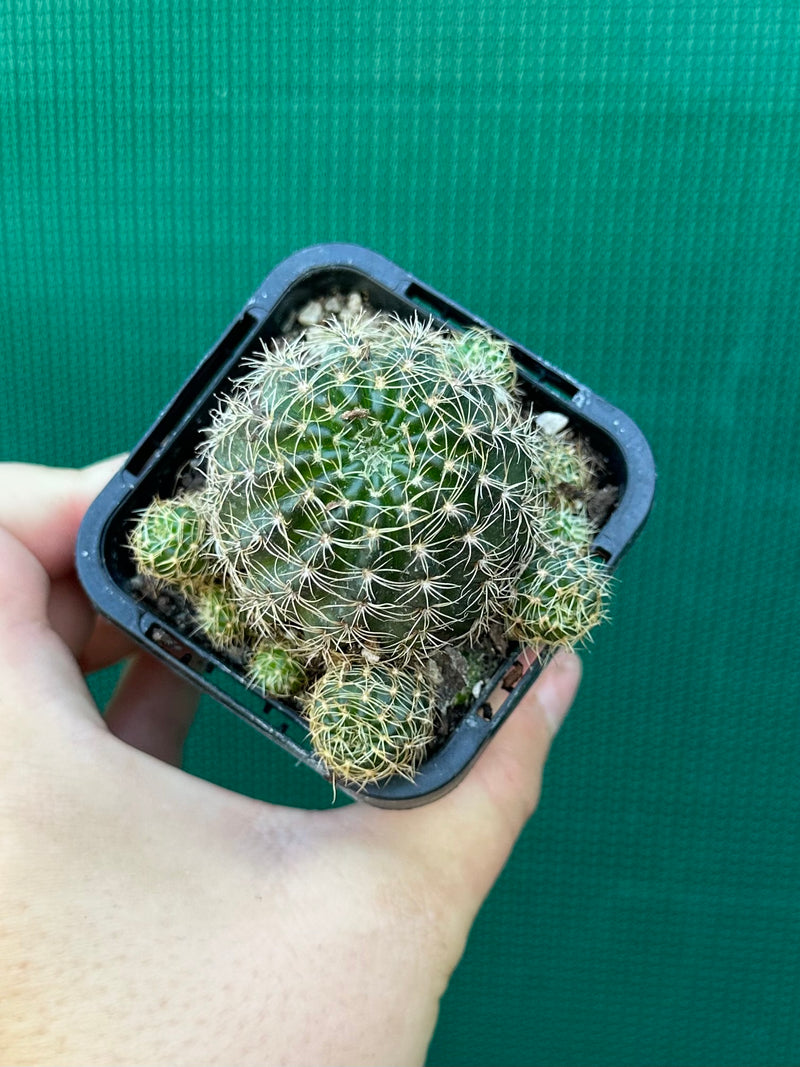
x,y
616,183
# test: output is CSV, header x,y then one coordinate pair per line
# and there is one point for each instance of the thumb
x,y
39,678
466,837
43,507
503,791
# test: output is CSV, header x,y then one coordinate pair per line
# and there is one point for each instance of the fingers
x,y
152,709
43,507
25,587
39,678
507,779
70,613
106,645
94,641
46,621
465,838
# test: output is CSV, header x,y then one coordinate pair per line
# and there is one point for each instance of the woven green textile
x,y
616,183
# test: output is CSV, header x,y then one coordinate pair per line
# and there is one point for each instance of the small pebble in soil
x,y
551,422
311,314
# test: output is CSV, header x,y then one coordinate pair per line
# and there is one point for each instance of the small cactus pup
x,y
276,670
370,721
560,596
167,540
167,544
567,471
218,615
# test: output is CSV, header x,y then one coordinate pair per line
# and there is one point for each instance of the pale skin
x,y
150,917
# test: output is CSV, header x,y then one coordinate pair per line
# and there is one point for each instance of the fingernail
x,y
554,701
565,660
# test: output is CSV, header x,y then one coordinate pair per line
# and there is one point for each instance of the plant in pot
x,y
358,510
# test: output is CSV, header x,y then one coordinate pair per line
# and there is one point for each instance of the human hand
x,y
150,917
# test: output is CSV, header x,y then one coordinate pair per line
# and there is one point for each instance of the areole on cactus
x,y
374,492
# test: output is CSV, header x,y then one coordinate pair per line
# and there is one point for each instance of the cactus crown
x,y
366,489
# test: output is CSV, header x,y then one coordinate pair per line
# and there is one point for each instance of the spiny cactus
x,y
566,471
167,541
373,493
483,358
218,615
368,722
560,596
276,670
367,490
562,593
564,524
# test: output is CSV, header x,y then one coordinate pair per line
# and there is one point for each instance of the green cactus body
x,y
566,525
369,722
218,616
167,541
565,471
367,491
560,597
275,670
483,358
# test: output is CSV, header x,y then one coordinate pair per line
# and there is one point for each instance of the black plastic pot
x,y
106,569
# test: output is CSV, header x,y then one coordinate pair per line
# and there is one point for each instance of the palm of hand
x,y
151,917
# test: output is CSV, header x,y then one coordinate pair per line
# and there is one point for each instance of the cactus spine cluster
x,y
374,492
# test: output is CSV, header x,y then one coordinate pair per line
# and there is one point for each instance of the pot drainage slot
x,y
267,713
538,375
165,641
437,307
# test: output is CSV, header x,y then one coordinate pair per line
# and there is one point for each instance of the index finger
x,y
42,507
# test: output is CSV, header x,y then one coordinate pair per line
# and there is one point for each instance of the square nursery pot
x,y
165,454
